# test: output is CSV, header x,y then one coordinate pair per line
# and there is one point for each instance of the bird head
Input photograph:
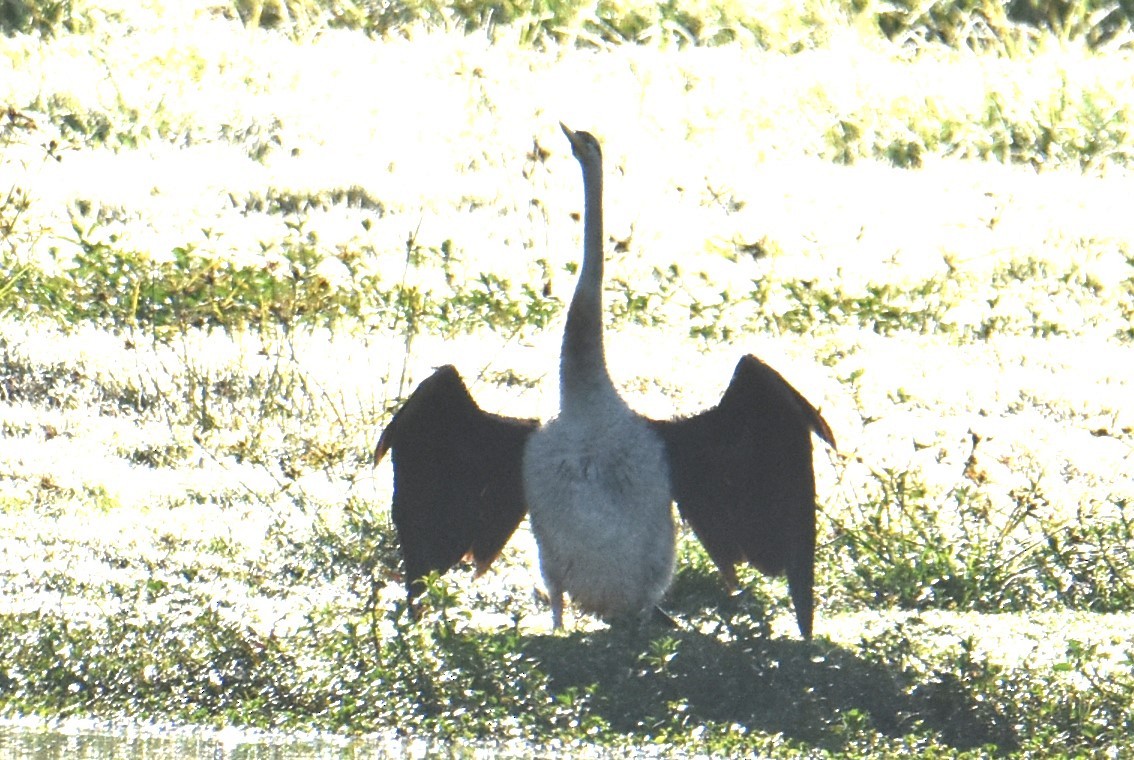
x,y
583,144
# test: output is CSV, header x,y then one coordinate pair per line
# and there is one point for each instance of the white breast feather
x,y
601,511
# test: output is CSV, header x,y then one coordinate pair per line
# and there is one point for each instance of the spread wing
x,y
457,481
742,478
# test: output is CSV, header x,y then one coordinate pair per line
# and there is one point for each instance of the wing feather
x,y
457,477
742,477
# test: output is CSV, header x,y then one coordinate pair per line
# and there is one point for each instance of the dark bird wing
x,y
742,478
457,477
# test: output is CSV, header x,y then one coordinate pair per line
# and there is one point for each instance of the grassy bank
x,y
233,239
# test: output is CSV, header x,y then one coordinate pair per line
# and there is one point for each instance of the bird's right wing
x,y
742,477
457,477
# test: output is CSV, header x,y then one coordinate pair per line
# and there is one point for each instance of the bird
x,y
599,481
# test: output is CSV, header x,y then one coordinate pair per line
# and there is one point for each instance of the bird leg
x,y
556,598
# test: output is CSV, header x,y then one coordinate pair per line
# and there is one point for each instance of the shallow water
x,y
47,740
85,739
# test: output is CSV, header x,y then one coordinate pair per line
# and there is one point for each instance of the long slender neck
x,y
583,376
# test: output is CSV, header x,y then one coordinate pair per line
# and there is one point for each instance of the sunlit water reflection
x,y
29,739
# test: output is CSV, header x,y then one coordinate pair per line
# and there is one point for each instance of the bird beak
x,y
567,131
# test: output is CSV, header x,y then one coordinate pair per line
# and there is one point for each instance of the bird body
x,y
598,496
595,477
599,480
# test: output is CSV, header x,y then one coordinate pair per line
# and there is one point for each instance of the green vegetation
x,y
777,26
229,248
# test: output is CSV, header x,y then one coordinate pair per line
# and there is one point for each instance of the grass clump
x,y
906,686
43,17
980,24
440,677
904,554
299,285
1069,126
170,652
554,22
785,27
779,26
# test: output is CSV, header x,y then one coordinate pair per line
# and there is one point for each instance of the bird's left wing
x,y
457,477
742,477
